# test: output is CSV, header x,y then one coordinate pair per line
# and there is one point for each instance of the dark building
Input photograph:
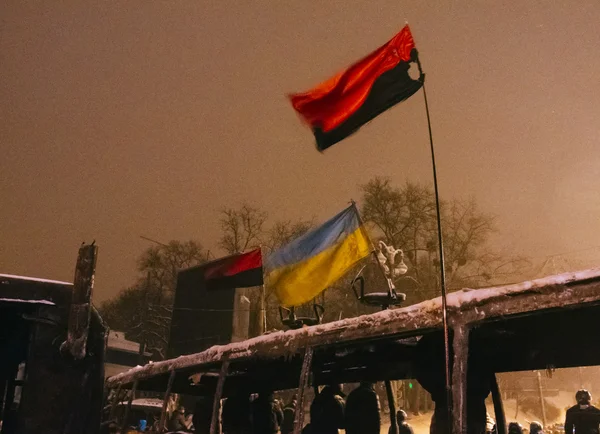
x,y
42,389
203,318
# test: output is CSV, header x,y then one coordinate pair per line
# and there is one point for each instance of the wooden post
x,y
498,407
460,344
128,408
392,406
163,412
302,385
214,423
115,403
80,311
542,402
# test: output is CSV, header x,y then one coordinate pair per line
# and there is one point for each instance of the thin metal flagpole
x,y
441,253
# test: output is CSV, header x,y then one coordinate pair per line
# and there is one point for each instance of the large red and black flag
x,y
339,106
242,270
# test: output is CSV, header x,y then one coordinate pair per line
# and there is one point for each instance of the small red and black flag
x,y
339,106
242,270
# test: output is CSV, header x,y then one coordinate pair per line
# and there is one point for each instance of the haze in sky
x,y
128,118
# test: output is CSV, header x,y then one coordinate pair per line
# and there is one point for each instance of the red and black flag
x,y
339,106
242,270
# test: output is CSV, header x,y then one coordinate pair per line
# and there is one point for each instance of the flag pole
x,y
441,253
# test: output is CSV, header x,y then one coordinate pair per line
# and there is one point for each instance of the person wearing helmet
x,y
536,428
583,417
515,428
403,426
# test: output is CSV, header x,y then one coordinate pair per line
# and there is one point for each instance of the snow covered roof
x,y
19,301
468,305
116,340
145,403
34,279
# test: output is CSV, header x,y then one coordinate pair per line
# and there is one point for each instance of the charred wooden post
x,y
214,423
128,408
114,404
163,412
79,315
302,385
542,401
498,407
392,406
460,343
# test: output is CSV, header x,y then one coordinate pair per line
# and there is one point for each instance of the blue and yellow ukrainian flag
x,y
301,270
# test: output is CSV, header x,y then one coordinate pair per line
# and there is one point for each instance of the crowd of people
x,y
331,410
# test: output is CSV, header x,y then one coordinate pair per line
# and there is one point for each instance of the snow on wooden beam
x,y
464,307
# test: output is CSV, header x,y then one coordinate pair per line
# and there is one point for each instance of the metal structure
x,y
525,326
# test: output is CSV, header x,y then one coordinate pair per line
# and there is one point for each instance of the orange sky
x,y
128,118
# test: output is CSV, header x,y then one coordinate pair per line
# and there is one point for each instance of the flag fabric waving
x,y
339,106
242,270
301,270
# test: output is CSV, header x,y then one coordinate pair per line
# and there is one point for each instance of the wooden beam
x,y
163,412
214,423
460,345
498,407
302,386
417,319
392,407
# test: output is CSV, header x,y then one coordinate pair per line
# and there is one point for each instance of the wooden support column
x,y
80,310
114,404
392,407
214,423
128,408
498,407
163,412
460,344
302,385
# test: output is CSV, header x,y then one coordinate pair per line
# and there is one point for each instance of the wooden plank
x,y
302,386
214,423
163,412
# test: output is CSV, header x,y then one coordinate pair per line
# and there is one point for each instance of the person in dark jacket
x,y
289,412
177,421
267,414
583,418
236,414
403,426
536,427
515,428
327,411
362,410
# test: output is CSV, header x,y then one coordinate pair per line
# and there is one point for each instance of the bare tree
x,y
241,228
406,218
143,311
284,232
